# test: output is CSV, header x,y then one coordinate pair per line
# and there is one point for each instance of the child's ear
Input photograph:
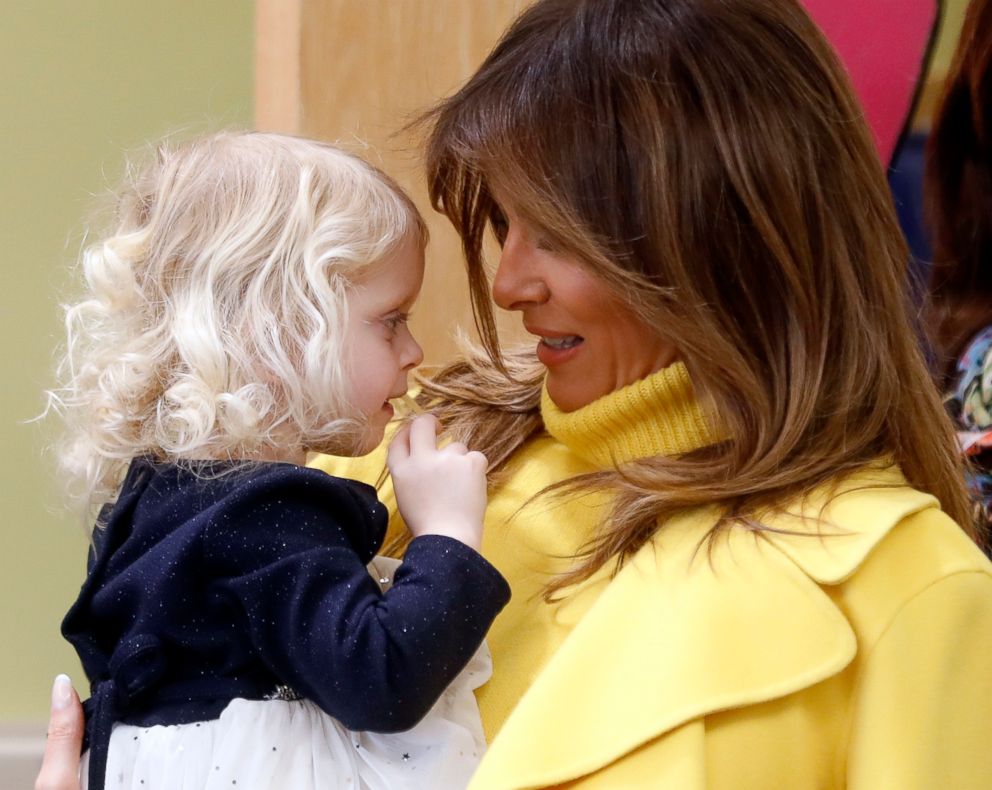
x,y
886,47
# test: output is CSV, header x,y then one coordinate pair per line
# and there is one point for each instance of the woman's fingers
x,y
60,767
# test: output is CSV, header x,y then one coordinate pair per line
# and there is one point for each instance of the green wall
x,y
80,81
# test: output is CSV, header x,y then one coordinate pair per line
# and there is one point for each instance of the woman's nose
x,y
517,282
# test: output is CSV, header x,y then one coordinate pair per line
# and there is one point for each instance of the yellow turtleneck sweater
x,y
531,541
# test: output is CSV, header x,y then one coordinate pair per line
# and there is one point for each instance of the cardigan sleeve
x,y
923,706
291,561
370,469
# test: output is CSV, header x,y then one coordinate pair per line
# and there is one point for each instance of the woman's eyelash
x,y
500,227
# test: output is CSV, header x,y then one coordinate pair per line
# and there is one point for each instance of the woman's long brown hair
x,y
958,187
708,161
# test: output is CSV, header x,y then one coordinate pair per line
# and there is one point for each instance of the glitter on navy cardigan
x,y
203,590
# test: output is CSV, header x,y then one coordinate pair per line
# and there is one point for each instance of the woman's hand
x,y
60,768
438,491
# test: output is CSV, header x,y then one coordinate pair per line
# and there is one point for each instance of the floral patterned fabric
x,y
970,405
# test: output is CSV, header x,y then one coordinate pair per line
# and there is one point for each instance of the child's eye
x,y
394,321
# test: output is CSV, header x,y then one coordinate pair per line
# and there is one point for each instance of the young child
x,y
249,307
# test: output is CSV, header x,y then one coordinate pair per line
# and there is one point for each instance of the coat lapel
x,y
848,522
714,630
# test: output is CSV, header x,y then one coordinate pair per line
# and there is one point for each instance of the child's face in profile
x,y
380,350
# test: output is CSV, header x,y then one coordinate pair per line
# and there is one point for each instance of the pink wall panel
x,y
883,44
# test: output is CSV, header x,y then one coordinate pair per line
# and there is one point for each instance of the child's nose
x,y
413,354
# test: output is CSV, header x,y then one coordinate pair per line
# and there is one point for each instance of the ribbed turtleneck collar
x,y
658,415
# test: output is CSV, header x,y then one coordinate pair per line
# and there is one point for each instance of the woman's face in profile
x,y
590,341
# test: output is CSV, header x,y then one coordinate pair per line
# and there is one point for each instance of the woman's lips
x,y
555,350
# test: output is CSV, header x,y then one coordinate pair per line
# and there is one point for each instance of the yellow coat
x,y
856,660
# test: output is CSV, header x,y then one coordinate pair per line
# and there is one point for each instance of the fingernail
x,y
61,692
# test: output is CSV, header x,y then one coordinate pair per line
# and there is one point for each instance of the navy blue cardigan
x,y
203,588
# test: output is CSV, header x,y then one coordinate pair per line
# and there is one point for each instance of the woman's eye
x,y
500,226
545,244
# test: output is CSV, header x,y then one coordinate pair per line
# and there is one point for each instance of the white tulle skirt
x,y
293,745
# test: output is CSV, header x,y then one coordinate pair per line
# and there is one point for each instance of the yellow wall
x,y
80,80
954,11
940,63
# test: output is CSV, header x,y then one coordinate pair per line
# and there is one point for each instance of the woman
x,y
747,571
959,195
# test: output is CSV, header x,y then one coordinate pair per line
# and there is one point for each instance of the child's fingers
x,y
399,447
423,433
60,767
480,459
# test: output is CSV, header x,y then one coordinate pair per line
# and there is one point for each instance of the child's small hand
x,y
438,491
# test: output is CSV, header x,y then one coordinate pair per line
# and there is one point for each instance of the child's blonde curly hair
x,y
212,321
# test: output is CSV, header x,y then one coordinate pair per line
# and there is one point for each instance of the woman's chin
x,y
570,395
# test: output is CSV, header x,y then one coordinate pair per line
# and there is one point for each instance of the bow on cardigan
x,y
133,685
135,668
